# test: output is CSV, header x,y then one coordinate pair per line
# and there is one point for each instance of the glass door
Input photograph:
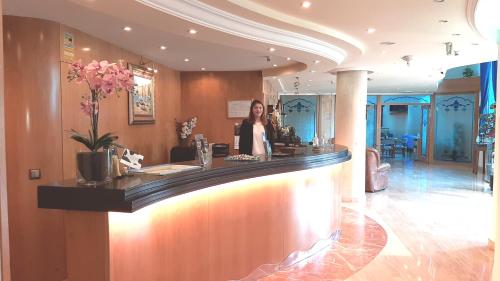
x,y
371,125
423,141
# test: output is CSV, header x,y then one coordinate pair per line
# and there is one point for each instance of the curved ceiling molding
x,y
277,15
284,70
484,16
211,17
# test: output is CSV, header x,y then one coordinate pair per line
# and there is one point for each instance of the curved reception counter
x,y
220,222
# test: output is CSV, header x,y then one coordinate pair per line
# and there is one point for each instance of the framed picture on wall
x,y
238,108
141,99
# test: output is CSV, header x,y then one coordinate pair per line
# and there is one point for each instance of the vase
x,y
93,168
184,143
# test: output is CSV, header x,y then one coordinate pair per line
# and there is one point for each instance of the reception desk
x,y
217,223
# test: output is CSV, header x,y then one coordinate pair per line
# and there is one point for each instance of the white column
x,y
350,130
496,184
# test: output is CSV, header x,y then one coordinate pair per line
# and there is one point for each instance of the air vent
x,y
387,43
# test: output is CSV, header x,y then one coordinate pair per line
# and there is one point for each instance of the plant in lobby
x,y
103,80
185,129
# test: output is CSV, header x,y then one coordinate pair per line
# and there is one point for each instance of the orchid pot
x,y
94,167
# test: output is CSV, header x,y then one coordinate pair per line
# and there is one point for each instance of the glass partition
x,y
301,114
454,127
371,120
406,99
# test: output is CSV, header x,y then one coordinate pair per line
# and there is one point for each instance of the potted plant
x,y
184,130
103,80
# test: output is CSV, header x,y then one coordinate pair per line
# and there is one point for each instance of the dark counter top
x,y
132,193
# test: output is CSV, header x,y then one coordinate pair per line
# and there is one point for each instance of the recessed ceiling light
x,y
274,77
371,30
310,80
192,31
203,68
150,68
439,1
288,58
272,49
312,71
86,49
475,44
306,4
127,28
186,59
155,70
274,65
456,34
163,47
443,21
387,43
317,61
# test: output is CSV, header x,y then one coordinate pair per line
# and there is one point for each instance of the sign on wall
x,y
238,108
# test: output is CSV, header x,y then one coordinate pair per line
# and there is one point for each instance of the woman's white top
x,y
258,142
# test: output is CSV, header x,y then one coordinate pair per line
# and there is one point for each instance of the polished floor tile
x,y
431,224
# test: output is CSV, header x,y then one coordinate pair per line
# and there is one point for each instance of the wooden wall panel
x,y
33,140
152,140
205,94
4,217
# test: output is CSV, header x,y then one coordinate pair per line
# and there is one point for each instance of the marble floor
x,y
436,221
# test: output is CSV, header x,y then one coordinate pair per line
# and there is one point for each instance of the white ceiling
x,y
412,24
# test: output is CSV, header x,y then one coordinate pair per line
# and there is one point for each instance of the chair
x,y
377,174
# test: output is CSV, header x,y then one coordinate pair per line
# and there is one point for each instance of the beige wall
x,y
42,106
4,219
205,94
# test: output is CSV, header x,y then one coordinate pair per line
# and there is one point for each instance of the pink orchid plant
x,y
104,79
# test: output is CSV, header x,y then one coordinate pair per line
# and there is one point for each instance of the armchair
x,y
377,174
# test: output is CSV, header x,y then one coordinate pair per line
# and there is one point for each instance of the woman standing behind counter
x,y
251,141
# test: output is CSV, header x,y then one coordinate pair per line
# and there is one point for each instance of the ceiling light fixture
x,y
288,58
86,49
475,44
203,69
186,59
449,48
155,70
407,59
443,21
306,4
312,71
317,61
127,28
272,49
439,1
163,47
150,68
296,85
371,30
275,65
456,34
192,31
310,80
387,43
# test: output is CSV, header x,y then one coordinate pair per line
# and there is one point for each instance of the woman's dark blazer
x,y
246,136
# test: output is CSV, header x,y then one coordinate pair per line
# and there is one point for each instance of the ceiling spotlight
x,y
443,21
155,70
312,71
288,58
456,34
163,47
439,1
272,49
317,61
310,80
274,77
193,31
86,49
186,59
306,4
387,43
150,68
371,30
203,69
127,28
275,65
475,44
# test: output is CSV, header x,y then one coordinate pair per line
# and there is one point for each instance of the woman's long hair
x,y
251,117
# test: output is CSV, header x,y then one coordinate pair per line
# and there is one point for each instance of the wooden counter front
x,y
221,232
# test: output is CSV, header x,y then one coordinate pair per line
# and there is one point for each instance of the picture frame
x,y
238,108
141,98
